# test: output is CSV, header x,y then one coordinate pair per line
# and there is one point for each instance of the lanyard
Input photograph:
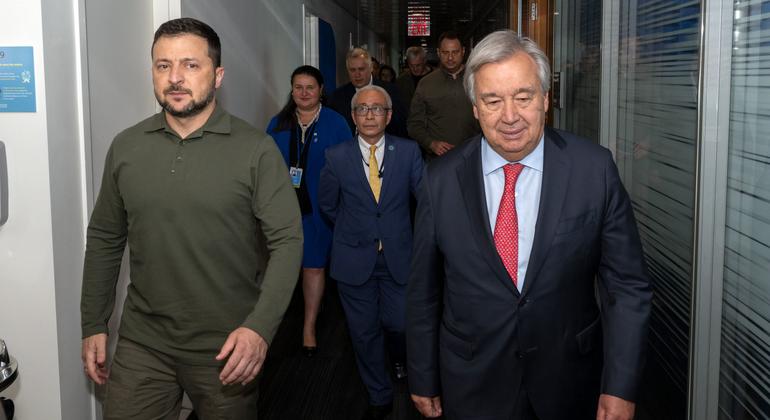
x,y
381,169
298,151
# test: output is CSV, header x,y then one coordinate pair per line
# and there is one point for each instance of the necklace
x,y
315,117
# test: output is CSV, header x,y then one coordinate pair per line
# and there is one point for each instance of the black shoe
x,y
377,412
309,351
400,371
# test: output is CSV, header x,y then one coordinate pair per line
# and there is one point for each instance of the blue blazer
x,y
358,221
475,340
330,130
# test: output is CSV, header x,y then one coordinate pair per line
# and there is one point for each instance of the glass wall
x,y
657,117
745,353
577,65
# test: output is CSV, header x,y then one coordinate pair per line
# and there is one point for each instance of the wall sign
x,y
418,20
17,79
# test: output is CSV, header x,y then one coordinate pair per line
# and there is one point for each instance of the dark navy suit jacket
x,y
473,339
358,221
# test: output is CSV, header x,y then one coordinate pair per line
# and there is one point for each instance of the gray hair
x,y
499,46
388,101
414,52
359,53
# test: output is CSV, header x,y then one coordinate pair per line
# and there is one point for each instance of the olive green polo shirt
x,y
440,110
214,234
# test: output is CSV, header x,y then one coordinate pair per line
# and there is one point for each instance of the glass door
x,y
744,380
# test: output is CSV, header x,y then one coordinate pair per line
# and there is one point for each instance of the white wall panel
x,y
262,43
28,306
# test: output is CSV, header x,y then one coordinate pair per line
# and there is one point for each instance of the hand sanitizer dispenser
x,y
8,373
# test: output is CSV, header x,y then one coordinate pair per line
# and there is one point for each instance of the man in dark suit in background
x,y
359,66
517,232
365,190
417,62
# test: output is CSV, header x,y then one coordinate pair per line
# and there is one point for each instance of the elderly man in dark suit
x,y
359,65
365,191
517,233
417,62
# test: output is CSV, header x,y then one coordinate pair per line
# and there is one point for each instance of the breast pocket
x,y
573,224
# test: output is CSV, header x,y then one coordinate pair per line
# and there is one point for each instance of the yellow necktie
x,y
374,173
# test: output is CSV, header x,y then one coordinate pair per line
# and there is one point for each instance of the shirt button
x,y
179,158
173,171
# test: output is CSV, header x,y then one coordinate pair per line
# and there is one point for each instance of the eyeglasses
x,y
378,110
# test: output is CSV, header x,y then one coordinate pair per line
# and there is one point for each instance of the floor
x,y
326,386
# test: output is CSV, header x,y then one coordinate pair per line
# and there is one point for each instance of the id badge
x,y
296,176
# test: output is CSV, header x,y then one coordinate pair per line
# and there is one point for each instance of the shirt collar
x,y
456,75
491,161
218,122
371,80
364,145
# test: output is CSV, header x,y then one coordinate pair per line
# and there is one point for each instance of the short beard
x,y
193,108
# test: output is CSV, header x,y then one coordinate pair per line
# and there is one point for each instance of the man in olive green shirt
x,y
441,115
205,205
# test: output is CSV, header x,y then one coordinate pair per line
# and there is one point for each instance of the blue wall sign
x,y
17,79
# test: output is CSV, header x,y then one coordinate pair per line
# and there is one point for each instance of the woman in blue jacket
x,y
303,130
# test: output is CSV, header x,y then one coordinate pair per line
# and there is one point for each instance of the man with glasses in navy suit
x,y
365,191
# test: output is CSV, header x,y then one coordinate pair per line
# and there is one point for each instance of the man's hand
x,y
94,355
428,406
614,408
246,351
440,147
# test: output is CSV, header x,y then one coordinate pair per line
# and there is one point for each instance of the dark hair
x,y
287,117
190,26
386,67
449,35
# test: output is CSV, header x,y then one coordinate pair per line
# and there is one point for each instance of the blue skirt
x,y
318,239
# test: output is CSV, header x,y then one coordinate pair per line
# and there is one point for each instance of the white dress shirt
x,y
379,153
528,188
371,82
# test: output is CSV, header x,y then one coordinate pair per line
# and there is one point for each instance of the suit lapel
x,y
357,157
350,92
471,180
388,158
556,175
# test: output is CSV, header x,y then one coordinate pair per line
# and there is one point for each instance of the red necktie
x,y
507,224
